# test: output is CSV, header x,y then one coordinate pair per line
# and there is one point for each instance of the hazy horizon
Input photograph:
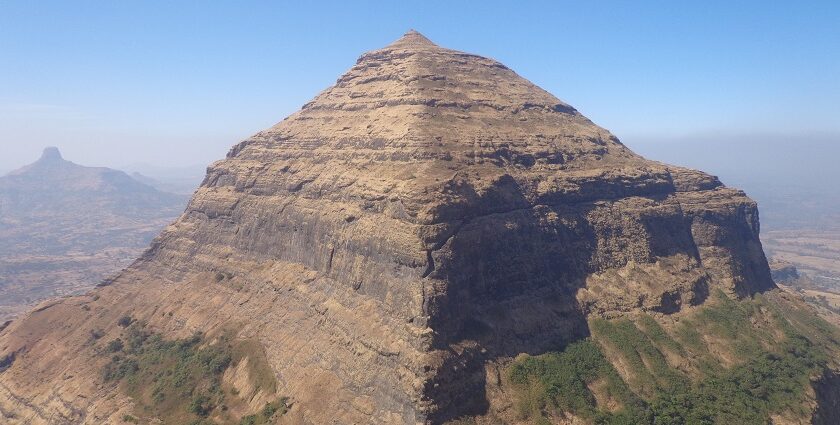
x,y
758,154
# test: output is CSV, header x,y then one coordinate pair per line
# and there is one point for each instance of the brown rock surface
x,y
430,213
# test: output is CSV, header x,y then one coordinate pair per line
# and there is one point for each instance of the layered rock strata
x,y
431,213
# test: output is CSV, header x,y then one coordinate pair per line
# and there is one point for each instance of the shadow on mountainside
x,y
513,275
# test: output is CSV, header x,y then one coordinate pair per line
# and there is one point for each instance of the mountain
x,y
145,179
65,227
434,239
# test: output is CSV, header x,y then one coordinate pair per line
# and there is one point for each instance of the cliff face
x,y
431,213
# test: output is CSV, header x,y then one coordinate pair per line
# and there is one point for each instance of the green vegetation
x,y
774,348
748,393
114,346
658,336
732,322
96,334
561,382
180,381
278,407
651,371
125,321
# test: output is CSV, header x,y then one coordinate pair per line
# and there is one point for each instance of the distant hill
x,y
181,180
64,227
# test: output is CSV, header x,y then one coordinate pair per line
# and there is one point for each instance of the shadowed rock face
x,y
430,213
828,399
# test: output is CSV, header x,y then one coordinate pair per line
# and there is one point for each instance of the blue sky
x,y
178,83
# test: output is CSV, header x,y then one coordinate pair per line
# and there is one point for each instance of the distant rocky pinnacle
x,y
64,227
51,153
52,183
411,228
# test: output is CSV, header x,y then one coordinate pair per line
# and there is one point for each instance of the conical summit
x,y
388,247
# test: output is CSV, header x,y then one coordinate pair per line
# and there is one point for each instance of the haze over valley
x,y
66,227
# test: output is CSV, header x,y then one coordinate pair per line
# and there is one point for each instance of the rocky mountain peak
x,y
66,181
412,39
448,110
48,164
442,188
431,213
51,154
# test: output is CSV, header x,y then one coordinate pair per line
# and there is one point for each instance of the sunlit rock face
x,y
431,213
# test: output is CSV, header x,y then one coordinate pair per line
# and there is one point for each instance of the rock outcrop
x,y
431,213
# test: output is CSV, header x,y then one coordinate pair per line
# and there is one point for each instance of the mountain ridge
x,y
397,241
67,226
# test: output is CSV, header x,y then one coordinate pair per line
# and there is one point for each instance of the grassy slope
x,y
726,362
180,381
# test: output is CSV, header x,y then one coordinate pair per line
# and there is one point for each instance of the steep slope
x,y
65,227
428,216
762,359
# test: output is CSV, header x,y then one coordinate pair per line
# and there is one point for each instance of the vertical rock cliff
x,y
431,213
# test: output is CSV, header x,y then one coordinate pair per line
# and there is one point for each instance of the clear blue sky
x,y
119,82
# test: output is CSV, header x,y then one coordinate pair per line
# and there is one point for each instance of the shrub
x,y
269,410
120,368
201,405
125,321
114,346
